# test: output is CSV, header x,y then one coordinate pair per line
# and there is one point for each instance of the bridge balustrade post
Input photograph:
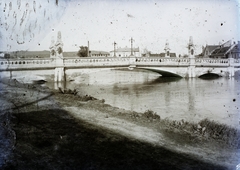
x,y
231,67
132,62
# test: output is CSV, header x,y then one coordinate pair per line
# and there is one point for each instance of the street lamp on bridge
x,y
114,50
131,46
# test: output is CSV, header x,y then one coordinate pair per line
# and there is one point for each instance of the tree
x,y
83,52
6,55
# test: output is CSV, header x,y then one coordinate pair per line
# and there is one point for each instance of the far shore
x,y
30,113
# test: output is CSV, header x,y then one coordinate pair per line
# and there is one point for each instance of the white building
x,y
125,52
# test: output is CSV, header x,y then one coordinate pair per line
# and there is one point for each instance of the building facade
x,y
225,50
93,53
126,52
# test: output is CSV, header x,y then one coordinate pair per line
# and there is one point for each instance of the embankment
x,y
47,129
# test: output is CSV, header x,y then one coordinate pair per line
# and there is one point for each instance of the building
x,y
207,51
93,53
29,54
167,53
225,50
163,55
235,52
125,52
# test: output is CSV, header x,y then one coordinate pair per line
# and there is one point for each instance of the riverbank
x,y
47,129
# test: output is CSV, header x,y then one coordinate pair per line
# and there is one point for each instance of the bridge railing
x,y
211,62
95,62
162,61
8,64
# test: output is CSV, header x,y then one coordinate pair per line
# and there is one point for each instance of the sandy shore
x,y
45,129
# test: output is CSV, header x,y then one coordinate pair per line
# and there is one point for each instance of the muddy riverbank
x,y
45,129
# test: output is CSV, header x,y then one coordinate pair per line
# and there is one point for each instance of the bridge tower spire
x,y
52,48
167,49
191,51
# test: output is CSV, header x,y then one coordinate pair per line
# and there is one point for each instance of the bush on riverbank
x,y
151,115
220,131
206,129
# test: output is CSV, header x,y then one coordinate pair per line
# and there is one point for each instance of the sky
x,y
150,23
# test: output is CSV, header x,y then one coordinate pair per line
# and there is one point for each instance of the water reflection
x,y
39,82
62,85
163,80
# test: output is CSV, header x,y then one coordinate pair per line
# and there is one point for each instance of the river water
x,y
191,99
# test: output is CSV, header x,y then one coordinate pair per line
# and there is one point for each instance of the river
x,y
191,99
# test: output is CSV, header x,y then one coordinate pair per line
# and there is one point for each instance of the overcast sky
x,y
149,23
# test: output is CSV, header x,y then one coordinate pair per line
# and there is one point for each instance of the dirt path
x,y
59,131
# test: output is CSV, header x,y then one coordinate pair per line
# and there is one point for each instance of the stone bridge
x,y
166,66
182,67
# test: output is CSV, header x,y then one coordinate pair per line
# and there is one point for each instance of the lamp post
x,y
88,50
131,46
114,55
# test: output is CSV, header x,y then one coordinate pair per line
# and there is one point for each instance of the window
x,y
192,51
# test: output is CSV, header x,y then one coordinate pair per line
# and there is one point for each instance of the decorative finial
x,y
59,37
190,40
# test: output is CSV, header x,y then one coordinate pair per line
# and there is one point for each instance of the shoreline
x,y
195,140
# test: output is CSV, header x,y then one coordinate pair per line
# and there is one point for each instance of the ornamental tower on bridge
x,y
56,52
52,48
192,66
191,50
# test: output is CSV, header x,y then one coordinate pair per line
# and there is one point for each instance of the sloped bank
x,y
67,131
209,140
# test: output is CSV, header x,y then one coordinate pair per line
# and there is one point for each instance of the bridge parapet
x,y
8,64
236,60
237,63
211,62
14,64
181,66
162,61
91,62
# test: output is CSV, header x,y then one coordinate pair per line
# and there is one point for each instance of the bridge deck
x,y
25,64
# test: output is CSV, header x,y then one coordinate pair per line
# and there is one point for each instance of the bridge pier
x,y
231,70
191,71
56,52
59,74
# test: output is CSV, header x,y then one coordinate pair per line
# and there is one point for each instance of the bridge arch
x,y
209,76
162,72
